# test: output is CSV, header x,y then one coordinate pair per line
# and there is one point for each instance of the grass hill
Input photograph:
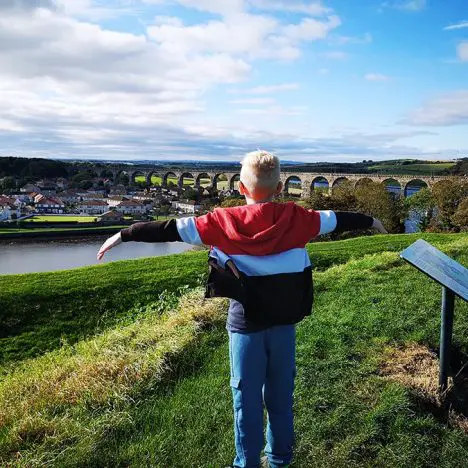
x,y
125,364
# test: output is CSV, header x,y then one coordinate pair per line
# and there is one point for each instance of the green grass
x,y
416,169
64,230
61,219
152,389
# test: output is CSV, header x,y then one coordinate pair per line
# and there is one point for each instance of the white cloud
x,y
252,36
267,89
406,5
222,7
376,77
168,20
446,110
310,8
462,51
273,111
238,34
461,25
253,101
310,29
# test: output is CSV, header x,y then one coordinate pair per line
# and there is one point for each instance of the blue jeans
x,y
262,371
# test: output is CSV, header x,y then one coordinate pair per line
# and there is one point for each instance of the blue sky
x,y
211,79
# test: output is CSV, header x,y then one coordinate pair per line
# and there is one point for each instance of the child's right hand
x,y
379,226
109,244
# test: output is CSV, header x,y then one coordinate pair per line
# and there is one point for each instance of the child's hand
x,y
109,244
379,226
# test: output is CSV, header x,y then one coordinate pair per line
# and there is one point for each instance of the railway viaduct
x,y
306,182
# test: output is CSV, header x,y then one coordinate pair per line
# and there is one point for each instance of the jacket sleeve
x,y
180,230
341,221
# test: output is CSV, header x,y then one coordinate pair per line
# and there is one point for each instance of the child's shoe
x,y
265,464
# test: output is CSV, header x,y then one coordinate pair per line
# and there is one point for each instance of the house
x,y
111,215
118,190
8,209
93,207
92,195
62,183
51,205
70,197
47,187
132,207
187,206
115,201
30,188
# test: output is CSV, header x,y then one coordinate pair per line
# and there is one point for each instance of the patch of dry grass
x,y
417,368
41,399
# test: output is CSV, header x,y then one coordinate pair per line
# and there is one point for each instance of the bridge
x,y
300,183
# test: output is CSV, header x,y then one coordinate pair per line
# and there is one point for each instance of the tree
x,y
191,194
423,204
448,195
460,218
7,183
373,199
343,197
231,202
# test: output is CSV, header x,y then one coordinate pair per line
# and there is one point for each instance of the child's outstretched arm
x,y
180,230
341,221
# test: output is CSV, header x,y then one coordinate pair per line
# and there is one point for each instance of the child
x,y
257,259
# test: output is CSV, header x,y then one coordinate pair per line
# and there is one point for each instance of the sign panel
x,y
438,266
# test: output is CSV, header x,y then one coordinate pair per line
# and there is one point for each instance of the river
x,y
16,257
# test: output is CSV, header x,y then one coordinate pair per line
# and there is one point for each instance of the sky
x,y
331,80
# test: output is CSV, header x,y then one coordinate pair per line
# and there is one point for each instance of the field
x,y
417,169
188,181
61,219
135,371
71,230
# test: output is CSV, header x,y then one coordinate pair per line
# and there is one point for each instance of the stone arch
x,y
153,178
234,182
106,174
320,183
293,186
362,181
184,177
169,177
201,180
392,185
414,186
141,177
118,177
221,181
338,181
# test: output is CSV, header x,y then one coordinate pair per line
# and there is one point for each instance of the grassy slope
x,y
346,414
417,169
40,311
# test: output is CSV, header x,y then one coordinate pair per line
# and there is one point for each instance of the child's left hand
x,y
109,244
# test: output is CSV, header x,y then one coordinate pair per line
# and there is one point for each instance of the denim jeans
x,y
262,371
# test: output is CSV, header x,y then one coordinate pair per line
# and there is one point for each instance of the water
x,y
62,255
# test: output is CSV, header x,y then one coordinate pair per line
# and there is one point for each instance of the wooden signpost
x,y
454,280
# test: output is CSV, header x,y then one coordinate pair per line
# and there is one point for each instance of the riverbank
x,y
56,233
123,364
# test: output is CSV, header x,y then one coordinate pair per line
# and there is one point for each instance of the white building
x,y
93,207
132,207
187,206
49,205
8,209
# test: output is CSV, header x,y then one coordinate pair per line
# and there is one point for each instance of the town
x,y
107,202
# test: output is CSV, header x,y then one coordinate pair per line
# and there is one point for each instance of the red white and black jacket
x,y
266,243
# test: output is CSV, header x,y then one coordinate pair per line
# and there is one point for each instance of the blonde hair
x,y
260,169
